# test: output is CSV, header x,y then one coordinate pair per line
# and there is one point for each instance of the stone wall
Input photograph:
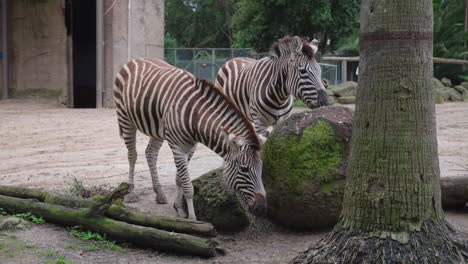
x,y
38,45
39,57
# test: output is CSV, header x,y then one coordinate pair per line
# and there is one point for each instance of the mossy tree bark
x,y
392,203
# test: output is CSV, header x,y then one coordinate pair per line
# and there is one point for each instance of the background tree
x,y
392,203
199,23
450,38
258,23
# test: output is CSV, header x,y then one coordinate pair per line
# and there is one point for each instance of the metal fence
x,y
205,63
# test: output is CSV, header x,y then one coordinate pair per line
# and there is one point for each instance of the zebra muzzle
x,y
259,208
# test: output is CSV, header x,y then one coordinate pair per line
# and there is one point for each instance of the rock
x,y
304,165
330,92
446,82
344,89
216,205
13,222
441,95
437,84
347,100
464,84
462,90
455,96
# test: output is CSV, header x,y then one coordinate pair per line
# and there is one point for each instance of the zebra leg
x,y
129,136
152,151
185,187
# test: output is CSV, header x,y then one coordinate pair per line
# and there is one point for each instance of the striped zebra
x,y
167,103
264,89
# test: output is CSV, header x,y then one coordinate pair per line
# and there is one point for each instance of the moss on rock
x,y
305,160
216,205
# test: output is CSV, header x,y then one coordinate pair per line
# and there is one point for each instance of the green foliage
x,y
295,161
91,236
3,212
257,23
30,217
199,23
450,40
62,260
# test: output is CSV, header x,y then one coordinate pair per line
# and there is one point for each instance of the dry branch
x,y
125,214
91,215
454,191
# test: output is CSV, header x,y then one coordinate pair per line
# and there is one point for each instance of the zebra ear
x,y
262,139
232,138
314,45
296,47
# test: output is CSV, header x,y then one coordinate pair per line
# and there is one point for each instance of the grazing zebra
x,y
167,103
264,89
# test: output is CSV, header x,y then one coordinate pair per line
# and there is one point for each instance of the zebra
x,y
167,103
264,89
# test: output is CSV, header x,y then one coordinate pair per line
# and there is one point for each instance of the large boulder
x,y
462,90
304,165
215,204
344,89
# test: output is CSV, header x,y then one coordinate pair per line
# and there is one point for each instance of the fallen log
x,y
91,218
122,213
454,191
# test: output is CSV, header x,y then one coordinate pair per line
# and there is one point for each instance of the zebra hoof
x,y
180,212
131,198
161,199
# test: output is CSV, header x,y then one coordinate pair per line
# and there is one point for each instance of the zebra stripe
x,y
264,89
167,103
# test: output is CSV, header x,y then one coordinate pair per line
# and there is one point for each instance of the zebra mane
x,y
284,43
252,135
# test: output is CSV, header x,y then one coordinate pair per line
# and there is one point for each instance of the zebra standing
x,y
167,103
264,89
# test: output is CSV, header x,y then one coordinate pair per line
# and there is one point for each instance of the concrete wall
x,y
140,36
38,45
39,56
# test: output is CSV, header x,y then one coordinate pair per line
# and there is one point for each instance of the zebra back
x,y
168,103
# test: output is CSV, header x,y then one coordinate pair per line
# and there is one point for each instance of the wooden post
x,y
343,70
5,48
99,52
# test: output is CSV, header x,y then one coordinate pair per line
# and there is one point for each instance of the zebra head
x,y
243,173
304,73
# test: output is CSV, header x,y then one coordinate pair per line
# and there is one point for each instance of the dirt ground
x,y
44,145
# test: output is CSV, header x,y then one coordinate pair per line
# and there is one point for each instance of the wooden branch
x,y
140,235
121,213
436,60
454,191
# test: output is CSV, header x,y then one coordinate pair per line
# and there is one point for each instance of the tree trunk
x,y
392,203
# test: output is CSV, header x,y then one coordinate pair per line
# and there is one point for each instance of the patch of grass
x,y
77,188
72,246
51,253
7,235
91,236
30,217
63,260
90,248
76,247
41,252
48,261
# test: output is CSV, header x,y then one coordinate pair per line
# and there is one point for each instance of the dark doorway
x,y
81,24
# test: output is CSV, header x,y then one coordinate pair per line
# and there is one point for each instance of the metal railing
x,y
205,62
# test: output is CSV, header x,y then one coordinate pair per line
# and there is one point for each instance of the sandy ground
x,y
44,145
